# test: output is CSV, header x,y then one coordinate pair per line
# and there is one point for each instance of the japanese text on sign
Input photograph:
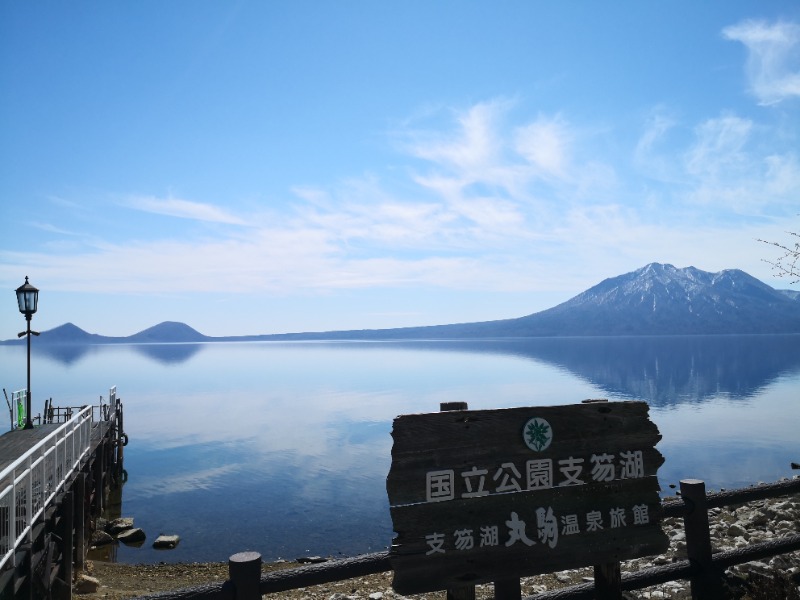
x,y
548,526
539,474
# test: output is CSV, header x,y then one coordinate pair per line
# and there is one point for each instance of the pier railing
x,y
31,483
100,411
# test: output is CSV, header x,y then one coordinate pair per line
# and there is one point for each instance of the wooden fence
x,y
702,568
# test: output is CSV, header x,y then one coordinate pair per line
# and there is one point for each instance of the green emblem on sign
x,y
537,434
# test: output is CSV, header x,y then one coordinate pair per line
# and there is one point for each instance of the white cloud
x,y
184,209
773,58
471,149
487,204
360,213
50,228
477,152
719,146
782,176
545,144
729,166
646,155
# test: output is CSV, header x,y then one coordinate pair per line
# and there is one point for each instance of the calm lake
x,y
284,448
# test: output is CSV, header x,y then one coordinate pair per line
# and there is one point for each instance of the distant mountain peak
x,y
163,333
657,299
661,299
69,327
169,331
69,332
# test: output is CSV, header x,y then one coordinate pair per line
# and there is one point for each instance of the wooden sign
x,y
485,495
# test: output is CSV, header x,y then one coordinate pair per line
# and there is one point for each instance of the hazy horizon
x,y
307,166
338,330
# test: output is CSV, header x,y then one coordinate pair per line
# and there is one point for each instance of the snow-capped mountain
x,y
662,299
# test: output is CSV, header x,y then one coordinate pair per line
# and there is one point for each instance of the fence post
x,y
607,576
507,589
608,581
468,591
244,571
707,583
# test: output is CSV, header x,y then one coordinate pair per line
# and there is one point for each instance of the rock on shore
x,y
122,530
775,578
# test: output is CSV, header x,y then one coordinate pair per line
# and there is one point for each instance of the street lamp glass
x,y
27,298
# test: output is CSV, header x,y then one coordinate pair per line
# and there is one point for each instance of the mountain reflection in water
x,y
164,353
661,370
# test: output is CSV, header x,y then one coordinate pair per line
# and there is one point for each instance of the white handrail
x,y
30,483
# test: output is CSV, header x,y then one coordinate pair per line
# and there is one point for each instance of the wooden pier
x,y
53,484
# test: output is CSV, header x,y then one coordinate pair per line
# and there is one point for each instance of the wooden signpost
x,y
492,495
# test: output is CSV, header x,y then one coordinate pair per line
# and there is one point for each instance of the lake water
x,y
284,448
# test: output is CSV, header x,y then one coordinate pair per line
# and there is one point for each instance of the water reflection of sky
x,y
284,448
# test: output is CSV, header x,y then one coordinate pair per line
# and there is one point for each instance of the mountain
x,y
793,294
658,299
168,332
664,300
71,334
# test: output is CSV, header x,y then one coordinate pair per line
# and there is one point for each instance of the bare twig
x,y
786,265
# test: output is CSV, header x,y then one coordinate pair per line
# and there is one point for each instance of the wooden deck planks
x,y
14,444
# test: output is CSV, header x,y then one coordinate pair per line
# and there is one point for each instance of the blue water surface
x,y
284,448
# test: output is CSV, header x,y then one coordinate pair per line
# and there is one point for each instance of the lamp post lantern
x,y
27,299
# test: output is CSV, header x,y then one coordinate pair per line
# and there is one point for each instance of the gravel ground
x,y
777,578
119,582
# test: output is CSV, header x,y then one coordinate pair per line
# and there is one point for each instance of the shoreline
x,y
731,527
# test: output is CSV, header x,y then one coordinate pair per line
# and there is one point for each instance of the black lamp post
x,y
28,298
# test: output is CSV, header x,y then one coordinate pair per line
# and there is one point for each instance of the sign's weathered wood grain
x,y
478,496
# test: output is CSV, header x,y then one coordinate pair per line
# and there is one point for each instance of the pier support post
x,y
244,571
68,541
120,432
97,475
79,487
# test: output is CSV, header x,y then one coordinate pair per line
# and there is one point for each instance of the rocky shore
x,y
776,578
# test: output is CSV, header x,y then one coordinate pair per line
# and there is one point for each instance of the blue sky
x,y
266,167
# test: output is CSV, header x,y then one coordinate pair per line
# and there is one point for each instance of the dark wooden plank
x,y
469,503
462,476
459,429
457,562
482,442
14,444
